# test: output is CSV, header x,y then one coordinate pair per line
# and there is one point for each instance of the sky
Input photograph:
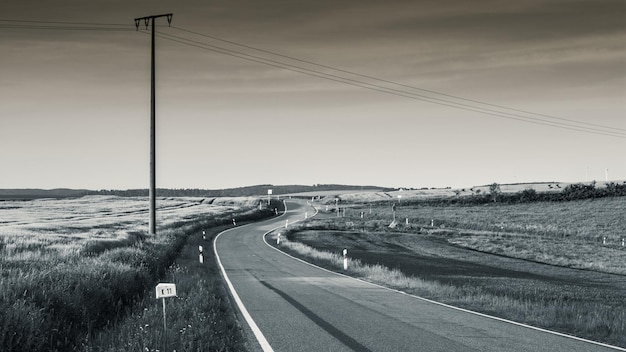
x,y
75,103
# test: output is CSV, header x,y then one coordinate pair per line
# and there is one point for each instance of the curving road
x,y
292,306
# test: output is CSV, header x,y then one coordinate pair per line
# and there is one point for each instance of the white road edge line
x,y
446,305
251,323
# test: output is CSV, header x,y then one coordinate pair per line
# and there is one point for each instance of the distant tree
x,y
494,190
528,195
579,191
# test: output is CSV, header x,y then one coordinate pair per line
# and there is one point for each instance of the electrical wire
x,y
439,98
67,28
388,90
57,25
392,82
71,23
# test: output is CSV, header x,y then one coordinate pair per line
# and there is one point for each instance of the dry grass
x,y
590,320
583,234
437,193
74,266
577,234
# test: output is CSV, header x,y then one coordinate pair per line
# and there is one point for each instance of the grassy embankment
x,y
201,318
73,269
567,234
585,234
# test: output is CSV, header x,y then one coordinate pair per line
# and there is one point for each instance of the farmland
x,y
73,268
557,265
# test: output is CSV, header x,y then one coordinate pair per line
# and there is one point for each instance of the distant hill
x,y
33,193
258,190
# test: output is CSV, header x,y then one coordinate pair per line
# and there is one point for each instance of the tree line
x,y
575,191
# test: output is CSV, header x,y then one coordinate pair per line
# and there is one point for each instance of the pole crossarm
x,y
148,18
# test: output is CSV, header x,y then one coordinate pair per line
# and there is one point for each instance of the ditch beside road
x,y
598,296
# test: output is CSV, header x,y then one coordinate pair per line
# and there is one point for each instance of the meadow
x,y
585,234
426,253
71,269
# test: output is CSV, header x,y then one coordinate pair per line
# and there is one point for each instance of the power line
x,y
58,25
465,104
71,23
385,89
66,28
396,83
388,90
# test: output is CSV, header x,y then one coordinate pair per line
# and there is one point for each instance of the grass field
x,y
432,261
75,267
200,318
584,234
372,196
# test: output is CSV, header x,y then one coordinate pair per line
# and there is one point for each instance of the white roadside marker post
x,y
164,290
278,239
287,223
201,256
306,215
234,222
345,259
203,235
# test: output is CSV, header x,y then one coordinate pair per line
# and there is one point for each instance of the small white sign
x,y
269,191
165,290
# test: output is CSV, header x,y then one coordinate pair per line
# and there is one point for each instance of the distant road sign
x,y
165,290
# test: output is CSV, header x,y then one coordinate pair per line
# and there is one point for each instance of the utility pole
x,y
152,191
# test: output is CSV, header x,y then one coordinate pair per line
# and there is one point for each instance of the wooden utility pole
x,y
152,192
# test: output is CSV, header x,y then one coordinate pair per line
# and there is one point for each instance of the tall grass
x,y
586,319
201,318
59,288
584,234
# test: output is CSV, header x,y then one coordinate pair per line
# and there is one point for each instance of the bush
x,y
528,195
579,191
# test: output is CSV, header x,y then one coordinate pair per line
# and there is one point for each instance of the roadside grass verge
x,y
61,289
603,323
201,318
585,234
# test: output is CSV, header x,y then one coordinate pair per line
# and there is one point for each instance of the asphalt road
x,y
292,306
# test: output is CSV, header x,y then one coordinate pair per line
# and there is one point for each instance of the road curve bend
x,y
293,306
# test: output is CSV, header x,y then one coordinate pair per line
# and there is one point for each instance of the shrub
x,y
528,195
